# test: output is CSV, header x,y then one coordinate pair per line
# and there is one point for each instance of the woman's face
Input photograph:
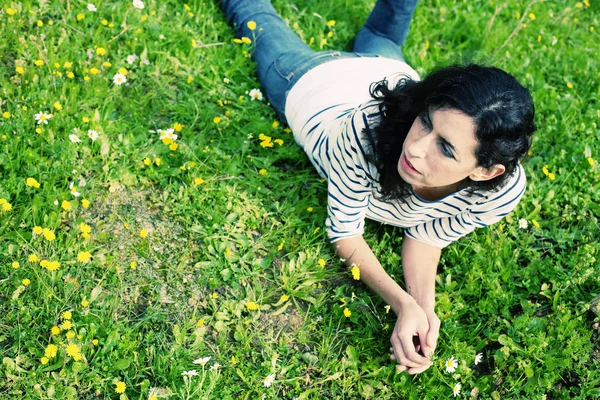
x,y
440,150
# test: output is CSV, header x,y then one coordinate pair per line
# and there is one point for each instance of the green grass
x,y
527,299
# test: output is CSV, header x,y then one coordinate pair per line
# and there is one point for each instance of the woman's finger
x,y
399,354
408,348
418,370
401,368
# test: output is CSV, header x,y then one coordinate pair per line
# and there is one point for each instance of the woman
x,y
438,157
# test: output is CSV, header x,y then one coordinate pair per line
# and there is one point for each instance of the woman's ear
x,y
485,174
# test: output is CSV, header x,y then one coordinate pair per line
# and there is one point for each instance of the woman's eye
x,y
446,150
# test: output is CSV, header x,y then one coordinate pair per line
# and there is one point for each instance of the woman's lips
x,y
407,166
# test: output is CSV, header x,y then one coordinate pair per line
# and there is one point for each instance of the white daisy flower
x,y
92,134
268,381
74,138
256,94
42,117
478,358
191,373
91,7
132,58
523,223
451,364
456,389
138,4
73,189
202,361
215,366
167,134
119,79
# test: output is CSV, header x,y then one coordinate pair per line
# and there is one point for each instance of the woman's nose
x,y
419,147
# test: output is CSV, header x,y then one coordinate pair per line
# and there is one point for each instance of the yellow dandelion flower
x,y
37,230
48,234
215,295
67,315
6,206
173,146
309,209
321,262
551,176
20,70
198,181
591,161
356,272
251,25
80,16
40,22
107,64
55,330
68,64
147,161
65,326
569,85
51,351
143,233
177,127
132,265
531,16
246,40
200,322
66,205
284,297
535,223
85,203
58,106
216,120
94,71
280,246
84,256
252,306
73,351
25,282
11,11
70,75
44,263
52,265
44,360
157,161
6,114
279,142
95,342
233,360
31,182
16,264
38,63
70,335
262,171
331,23
347,312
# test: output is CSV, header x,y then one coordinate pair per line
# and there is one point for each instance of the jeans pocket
x,y
292,64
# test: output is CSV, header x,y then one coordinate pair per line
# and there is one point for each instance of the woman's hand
x,y
433,333
409,337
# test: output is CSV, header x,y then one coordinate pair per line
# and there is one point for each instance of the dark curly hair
x,y
501,108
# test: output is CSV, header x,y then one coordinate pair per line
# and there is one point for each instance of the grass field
x,y
124,258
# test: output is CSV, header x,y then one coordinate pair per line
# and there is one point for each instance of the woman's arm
x,y
412,319
419,263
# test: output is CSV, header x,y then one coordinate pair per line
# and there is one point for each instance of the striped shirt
x,y
333,141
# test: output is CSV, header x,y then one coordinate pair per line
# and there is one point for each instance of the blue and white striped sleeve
x,y
349,181
441,232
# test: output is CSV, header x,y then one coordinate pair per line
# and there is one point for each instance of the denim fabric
x,y
282,57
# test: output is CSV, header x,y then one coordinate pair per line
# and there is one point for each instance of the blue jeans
x,y
282,57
